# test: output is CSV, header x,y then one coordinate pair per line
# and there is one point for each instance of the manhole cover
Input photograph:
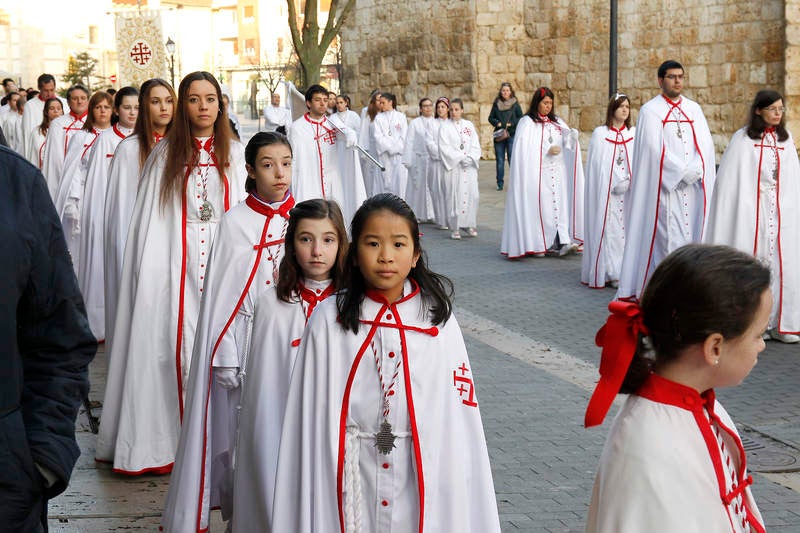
x,y
766,455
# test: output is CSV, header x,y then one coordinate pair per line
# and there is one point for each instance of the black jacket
x,y
45,340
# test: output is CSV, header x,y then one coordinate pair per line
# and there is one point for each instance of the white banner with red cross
x,y
140,48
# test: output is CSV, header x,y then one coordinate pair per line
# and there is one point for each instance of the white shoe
x,y
567,249
766,336
456,235
472,232
443,226
786,338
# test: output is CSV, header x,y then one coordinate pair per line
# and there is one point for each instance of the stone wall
x,y
730,49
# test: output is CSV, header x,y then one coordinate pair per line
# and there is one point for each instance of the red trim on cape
x,y
119,133
166,469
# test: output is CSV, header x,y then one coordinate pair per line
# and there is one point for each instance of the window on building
x,y
280,45
249,47
248,13
93,32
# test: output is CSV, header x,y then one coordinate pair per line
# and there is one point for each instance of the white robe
x,y
11,123
159,300
91,200
460,151
277,329
35,151
544,193
331,477
247,250
418,162
323,167
276,116
662,212
389,130
373,176
55,149
753,211
661,463
69,194
436,180
33,114
608,173
350,119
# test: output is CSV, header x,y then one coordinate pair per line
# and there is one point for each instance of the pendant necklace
x,y
550,134
774,146
678,121
460,137
384,439
206,210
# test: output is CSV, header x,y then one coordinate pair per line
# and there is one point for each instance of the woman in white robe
x,y
608,176
390,131
187,183
373,177
53,108
349,118
756,206
156,109
418,162
247,250
311,271
387,353
91,206
544,203
673,460
460,151
69,195
436,176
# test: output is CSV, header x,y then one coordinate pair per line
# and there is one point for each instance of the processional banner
x,y
140,48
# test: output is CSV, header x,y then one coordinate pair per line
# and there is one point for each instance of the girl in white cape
x,y
608,176
187,183
756,206
436,179
673,460
53,108
382,430
311,270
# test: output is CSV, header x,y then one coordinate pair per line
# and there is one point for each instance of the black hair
x,y
79,87
436,290
756,124
315,89
122,93
538,95
6,80
290,274
259,140
696,291
499,96
423,100
668,65
391,97
44,78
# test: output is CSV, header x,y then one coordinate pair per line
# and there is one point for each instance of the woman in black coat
x,y
504,116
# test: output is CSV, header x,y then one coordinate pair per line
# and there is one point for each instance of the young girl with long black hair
x,y
382,429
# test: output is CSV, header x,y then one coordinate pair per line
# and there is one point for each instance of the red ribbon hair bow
x,y
618,338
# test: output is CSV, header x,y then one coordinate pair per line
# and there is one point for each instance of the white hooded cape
x,y
277,329
460,152
389,130
247,250
740,213
323,167
661,466
436,174
663,213
332,478
55,148
418,162
608,171
544,193
159,301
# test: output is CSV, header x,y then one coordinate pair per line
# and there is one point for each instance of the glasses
x,y
772,109
671,77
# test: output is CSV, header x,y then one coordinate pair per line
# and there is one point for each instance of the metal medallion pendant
x,y
384,439
461,146
550,139
206,211
620,160
679,132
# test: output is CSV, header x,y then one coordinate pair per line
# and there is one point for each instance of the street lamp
x,y
170,45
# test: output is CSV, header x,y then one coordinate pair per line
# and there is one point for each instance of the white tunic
x,y
90,200
436,178
35,151
323,167
544,195
11,123
460,151
390,129
373,177
418,162
159,300
277,329
247,250
33,114
756,208
276,116
665,208
350,119
331,477
663,468
608,176
55,149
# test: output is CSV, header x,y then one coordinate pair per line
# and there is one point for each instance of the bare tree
x,y
271,71
309,45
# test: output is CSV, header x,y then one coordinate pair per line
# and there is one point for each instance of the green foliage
x,y
80,69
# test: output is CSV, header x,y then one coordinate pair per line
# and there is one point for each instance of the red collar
x,y
769,130
311,297
307,116
615,130
82,117
207,145
378,297
156,138
119,133
662,390
260,207
670,102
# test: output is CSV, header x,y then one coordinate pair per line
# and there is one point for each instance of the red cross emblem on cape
x,y
464,386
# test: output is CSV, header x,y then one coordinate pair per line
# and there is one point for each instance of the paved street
x,y
529,326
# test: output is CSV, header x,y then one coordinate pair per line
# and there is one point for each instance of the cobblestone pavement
x,y
529,327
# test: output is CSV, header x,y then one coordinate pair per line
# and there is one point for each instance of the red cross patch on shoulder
x,y
464,386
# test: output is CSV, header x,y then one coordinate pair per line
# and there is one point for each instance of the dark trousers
x,y
502,150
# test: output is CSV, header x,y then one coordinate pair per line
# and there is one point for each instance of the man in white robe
x,y
418,162
390,131
325,165
673,179
11,122
276,116
58,136
34,108
9,87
